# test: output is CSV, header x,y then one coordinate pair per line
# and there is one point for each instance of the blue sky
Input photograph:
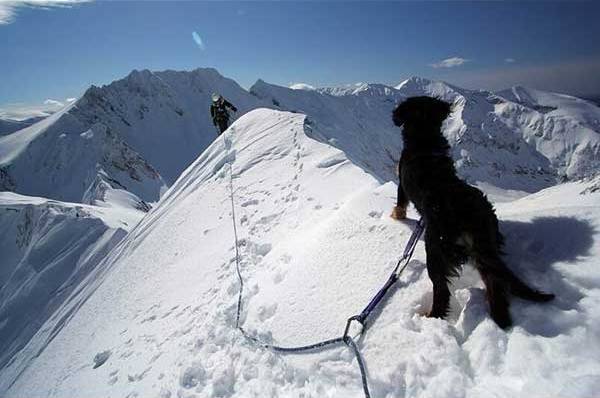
x,y
58,52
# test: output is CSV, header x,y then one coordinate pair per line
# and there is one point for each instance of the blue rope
x,y
361,318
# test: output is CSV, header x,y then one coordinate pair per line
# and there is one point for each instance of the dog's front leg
x,y
438,271
399,211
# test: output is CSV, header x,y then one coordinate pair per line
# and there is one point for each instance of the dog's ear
x,y
403,113
398,116
421,111
442,110
412,111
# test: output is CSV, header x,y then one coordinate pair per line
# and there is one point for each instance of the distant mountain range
x,y
126,142
8,126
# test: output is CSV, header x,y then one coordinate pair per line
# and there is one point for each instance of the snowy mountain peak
x,y
373,89
530,136
365,89
139,76
413,82
417,86
258,85
302,86
136,135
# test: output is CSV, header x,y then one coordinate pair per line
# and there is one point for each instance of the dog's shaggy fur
x,y
460,222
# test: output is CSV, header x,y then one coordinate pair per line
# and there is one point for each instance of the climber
x,y
219,113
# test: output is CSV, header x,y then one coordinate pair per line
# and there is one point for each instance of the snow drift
x,y
48,248
316,243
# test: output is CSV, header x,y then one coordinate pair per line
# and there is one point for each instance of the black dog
x,y
460,222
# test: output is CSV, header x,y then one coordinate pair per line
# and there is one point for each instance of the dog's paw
x,y
440,314
428,314
398,213
423,313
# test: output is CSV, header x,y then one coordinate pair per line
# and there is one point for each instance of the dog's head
x,y
421,111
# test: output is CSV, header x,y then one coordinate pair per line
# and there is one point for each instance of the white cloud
x,y
198,40
69,100
21,111
561,77
8,8
510,60
53,102
450,62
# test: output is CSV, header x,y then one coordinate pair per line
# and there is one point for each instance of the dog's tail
x,y
513,284
521,290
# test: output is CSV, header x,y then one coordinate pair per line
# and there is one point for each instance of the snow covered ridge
x,y
358,123
139,133
316,243
48,248
511,145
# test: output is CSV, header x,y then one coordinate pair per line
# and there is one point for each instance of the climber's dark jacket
x,y
220,115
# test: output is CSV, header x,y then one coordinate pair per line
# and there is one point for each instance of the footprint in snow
x,y
233,288
227,142
267,219
278,277
101,358
249,203
139,376
266,312
164,393
151,318
169,312
375,214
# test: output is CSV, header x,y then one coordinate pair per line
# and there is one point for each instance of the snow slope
x,y
316,243
555,104
47,248
564,128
